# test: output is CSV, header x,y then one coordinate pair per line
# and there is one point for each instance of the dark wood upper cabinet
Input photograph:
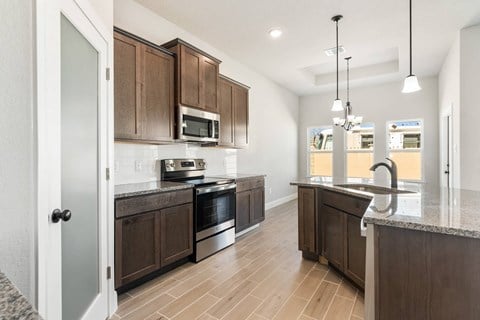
x,y
176,231
144,90
137,247
225,108
233,109
240,98
158,95
127,93
197,76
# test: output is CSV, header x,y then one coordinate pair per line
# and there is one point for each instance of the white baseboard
x,y
276,203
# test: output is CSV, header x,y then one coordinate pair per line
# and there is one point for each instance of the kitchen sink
x,y
372,189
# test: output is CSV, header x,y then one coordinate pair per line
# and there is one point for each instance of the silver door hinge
x,y
109,272
108,74
107,173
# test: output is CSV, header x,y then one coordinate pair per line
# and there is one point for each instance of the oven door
x,y
196,125
215,210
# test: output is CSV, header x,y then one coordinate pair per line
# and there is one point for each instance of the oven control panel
x,y
171,165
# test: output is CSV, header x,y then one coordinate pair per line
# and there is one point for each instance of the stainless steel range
x,y
214,204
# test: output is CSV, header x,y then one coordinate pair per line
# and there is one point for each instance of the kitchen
x,y
283,107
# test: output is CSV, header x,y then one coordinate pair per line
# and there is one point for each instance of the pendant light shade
x,y
337,103
411,82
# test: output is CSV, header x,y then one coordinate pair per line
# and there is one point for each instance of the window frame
x,y
345,152
309,175
422,146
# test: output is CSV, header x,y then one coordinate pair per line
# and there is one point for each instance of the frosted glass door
x,y
79,171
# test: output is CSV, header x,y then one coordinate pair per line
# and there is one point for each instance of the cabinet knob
x,y
58,215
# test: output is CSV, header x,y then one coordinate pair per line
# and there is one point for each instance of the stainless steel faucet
x,y
391,168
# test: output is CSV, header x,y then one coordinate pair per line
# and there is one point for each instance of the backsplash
x,y
139,162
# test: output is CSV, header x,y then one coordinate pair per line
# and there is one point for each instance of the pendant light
x,y
411,82
350,120
337,104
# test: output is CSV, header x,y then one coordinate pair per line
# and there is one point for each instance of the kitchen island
x,y
422,247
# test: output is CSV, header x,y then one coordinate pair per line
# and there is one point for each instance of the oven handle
x,y
216,188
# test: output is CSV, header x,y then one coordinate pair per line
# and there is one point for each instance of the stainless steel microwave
x,y
197,125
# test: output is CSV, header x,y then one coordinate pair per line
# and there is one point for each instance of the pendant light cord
x,y
337,53
348,78
410,37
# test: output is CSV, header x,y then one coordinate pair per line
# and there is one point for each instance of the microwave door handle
x,y
212,124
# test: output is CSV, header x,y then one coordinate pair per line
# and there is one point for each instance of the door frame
x,y
48,80
446,147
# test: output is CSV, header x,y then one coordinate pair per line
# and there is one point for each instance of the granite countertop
x,y
241,176
428,208
137,189
13,305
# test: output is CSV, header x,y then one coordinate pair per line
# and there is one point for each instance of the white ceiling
x,y
373,32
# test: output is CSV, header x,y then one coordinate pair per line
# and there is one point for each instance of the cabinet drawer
x,y
250,184
346,203
126,207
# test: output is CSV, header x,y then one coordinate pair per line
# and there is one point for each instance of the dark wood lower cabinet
x,y
307,220
243,204
176,233
423,275
137,247
149,241
329,225
250,203
334,236
355,251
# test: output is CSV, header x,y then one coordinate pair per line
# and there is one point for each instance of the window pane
x,y
320,142
405,148
360,146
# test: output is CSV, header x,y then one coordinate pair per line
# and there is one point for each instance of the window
x,y
405,148
359,146
320,151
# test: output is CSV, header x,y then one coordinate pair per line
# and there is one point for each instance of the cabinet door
x,y
137,250
176,233
190,77
127,56
244,204
240,98
355,251
209,85
333,236
307,238
257,213
157,95
225,108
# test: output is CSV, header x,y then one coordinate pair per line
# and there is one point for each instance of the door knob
x,y
58,215
446,172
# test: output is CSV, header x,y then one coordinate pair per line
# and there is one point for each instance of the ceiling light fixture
x,y
350,120
275,32
337,104
333,51
411,82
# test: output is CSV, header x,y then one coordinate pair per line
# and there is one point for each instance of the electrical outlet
x,y
116,166
154,166
138,165
269,190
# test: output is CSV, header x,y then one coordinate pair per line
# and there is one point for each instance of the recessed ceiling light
x,y
275,32
333,51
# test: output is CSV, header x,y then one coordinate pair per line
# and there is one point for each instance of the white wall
x,y
449,103
459,90
273,116
470,107
377,104
17,191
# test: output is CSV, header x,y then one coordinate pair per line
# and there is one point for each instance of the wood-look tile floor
x,y
262,276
